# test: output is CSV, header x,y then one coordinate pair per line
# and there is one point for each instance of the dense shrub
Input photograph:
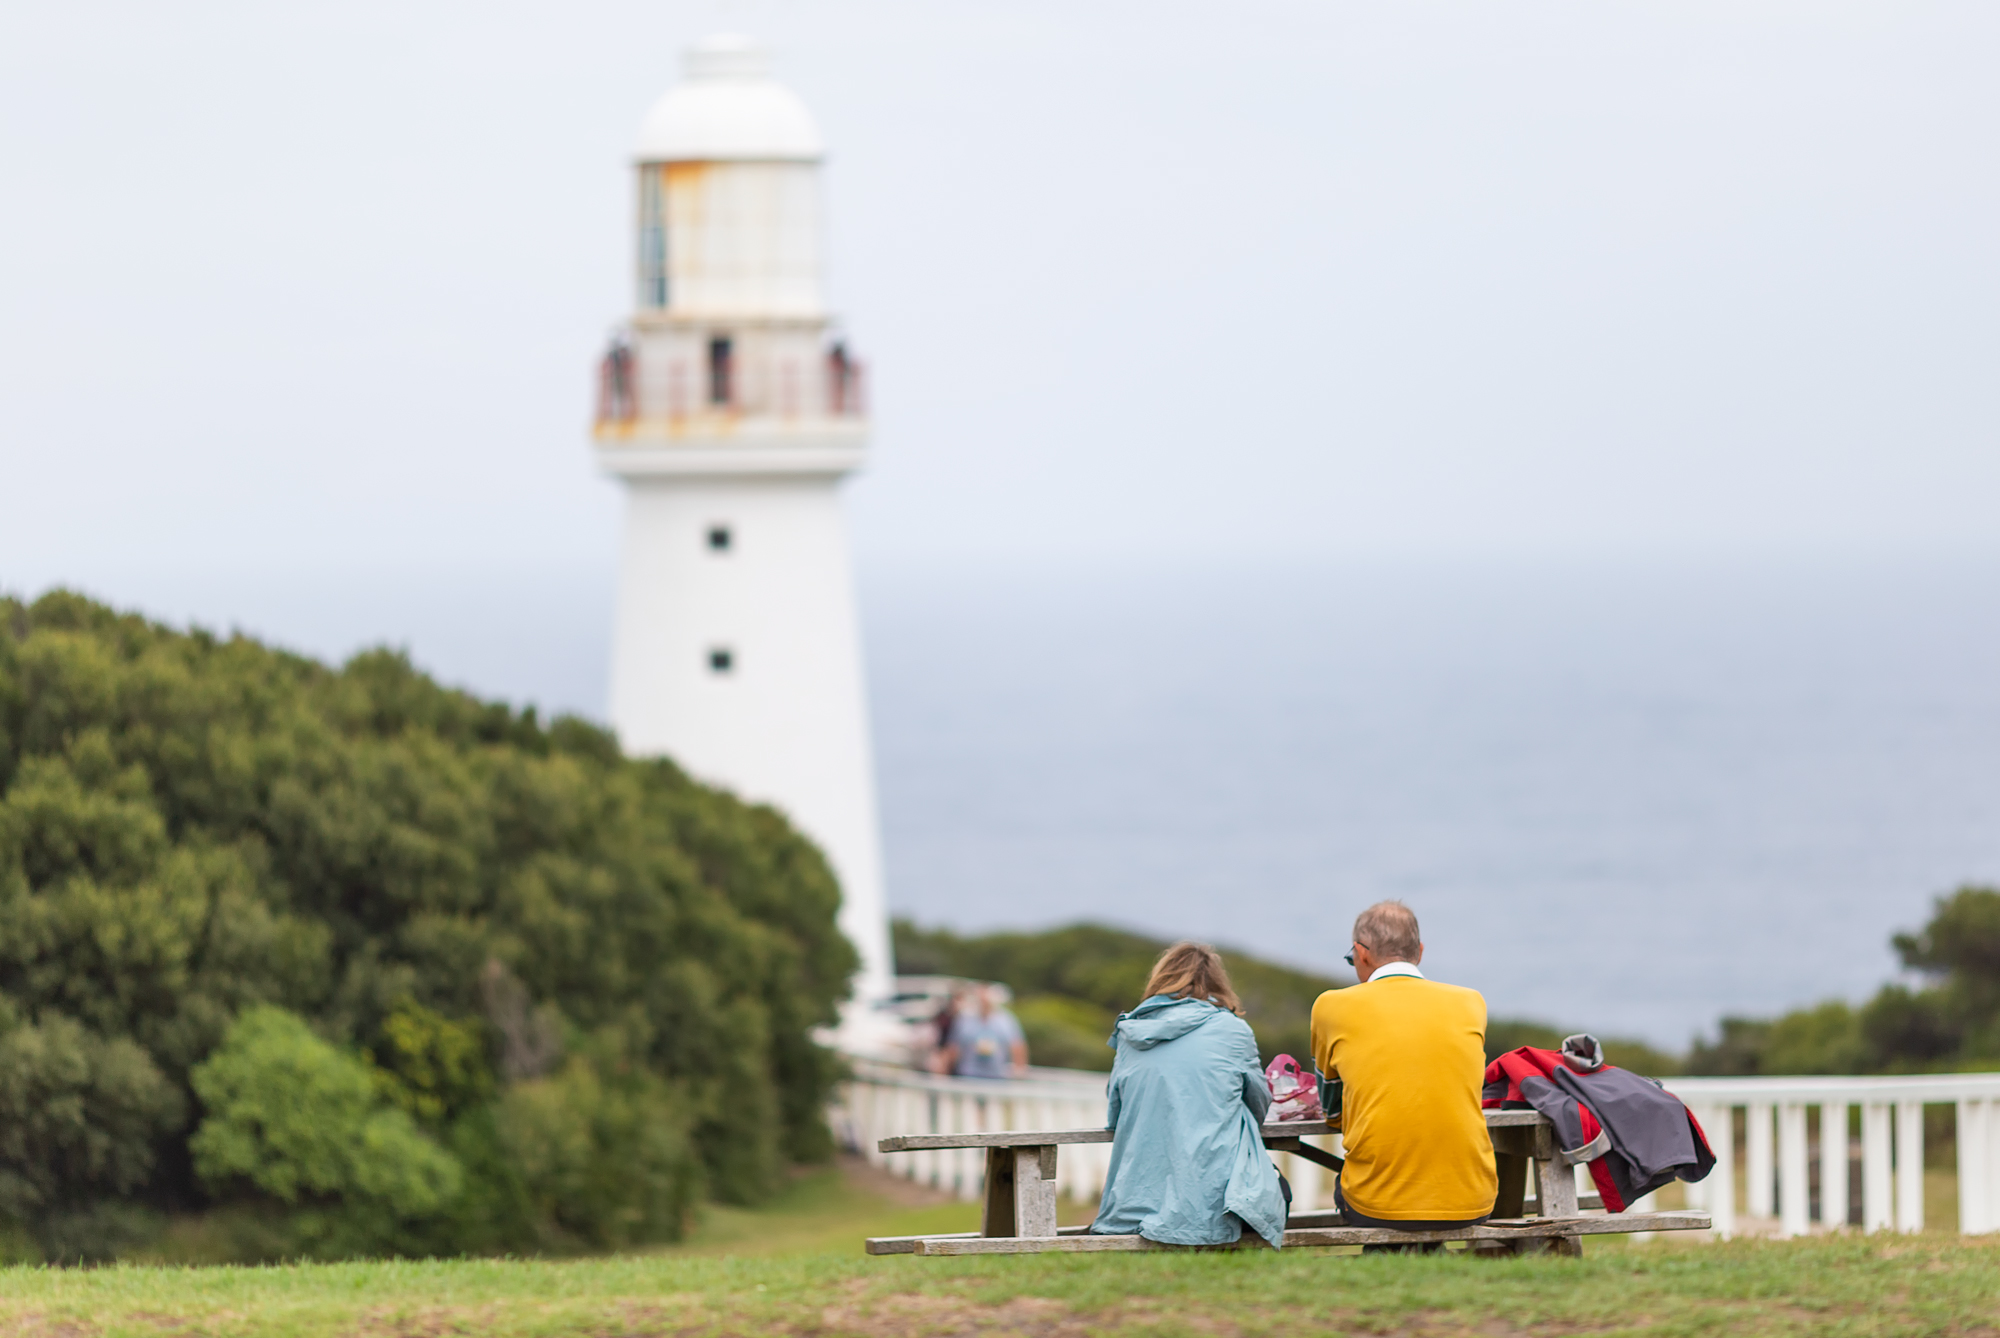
x,y
376,959
300,1120
601,1163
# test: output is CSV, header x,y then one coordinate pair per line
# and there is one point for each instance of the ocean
x,y
1623,797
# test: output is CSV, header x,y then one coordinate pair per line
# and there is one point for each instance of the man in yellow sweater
x,y
1410,1054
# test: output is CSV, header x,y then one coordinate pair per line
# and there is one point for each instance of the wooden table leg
x,y
1513,1169
1555,1187
1035,1191
997,1218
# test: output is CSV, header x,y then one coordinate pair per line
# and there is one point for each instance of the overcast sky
x,y
312,291
300,304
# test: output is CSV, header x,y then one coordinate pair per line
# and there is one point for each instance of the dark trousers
x,y
1352,1218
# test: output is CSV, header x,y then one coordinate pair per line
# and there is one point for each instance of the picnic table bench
x,y
1019,1212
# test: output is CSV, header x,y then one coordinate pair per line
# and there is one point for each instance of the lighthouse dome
x,y
728,107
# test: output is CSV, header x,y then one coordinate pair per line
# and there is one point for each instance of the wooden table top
x,y
1037,1138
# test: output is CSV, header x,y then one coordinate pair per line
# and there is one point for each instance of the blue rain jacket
x,y
1187,1097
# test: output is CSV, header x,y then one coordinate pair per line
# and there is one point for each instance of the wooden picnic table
x,y
1019,1212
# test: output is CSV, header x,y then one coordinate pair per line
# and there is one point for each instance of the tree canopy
x,y
374,964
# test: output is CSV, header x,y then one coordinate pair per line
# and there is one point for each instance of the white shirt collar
x,y
1397,969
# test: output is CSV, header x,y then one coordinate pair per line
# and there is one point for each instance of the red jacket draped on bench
x,y
1635,1135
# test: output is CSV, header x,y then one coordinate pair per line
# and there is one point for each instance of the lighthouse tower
x,y
732,412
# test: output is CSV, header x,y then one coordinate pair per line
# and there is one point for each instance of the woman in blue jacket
x,y
1187,1099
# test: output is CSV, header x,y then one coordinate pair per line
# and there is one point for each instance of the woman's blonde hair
x,y
1193,971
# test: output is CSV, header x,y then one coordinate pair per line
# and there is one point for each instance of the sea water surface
x,y
1624,797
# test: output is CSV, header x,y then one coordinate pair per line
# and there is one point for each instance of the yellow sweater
x,y
1411,1054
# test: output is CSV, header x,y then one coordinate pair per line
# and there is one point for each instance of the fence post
x,y
1878,1205
1305,1178
1974,1213
957,1173
1757,1159
1833,1163
1909,1166
980,1121
1794,1189
940,1111
1648,1202
1721,1182
1694,1193
919,1110
861,1102
1992,1154
1071,1165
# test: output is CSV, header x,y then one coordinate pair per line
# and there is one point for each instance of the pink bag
x,y
1294,1091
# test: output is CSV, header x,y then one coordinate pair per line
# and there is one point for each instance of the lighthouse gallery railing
x,y
785,389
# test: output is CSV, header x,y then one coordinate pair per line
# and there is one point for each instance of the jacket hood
x,y
1160,1019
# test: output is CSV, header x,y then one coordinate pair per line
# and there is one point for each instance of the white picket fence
x,y
1785,1140
883,1101
1795,1180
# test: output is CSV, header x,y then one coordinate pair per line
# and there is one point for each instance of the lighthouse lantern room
x,y
732,414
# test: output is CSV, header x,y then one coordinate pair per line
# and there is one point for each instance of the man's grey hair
x,y
1389,930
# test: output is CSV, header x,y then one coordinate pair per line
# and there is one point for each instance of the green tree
x,y
79,1118
1958,1015
193,827
296,1117
306,1123
431,1066
603,1163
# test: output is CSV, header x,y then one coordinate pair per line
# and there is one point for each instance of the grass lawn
x,y
797,1269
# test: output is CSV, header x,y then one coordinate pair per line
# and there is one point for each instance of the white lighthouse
x,y
733,413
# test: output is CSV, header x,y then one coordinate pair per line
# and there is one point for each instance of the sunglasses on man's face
x,y
1349,958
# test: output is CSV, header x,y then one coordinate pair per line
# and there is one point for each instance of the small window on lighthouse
x,y
720,389
652,239
719,538
721,660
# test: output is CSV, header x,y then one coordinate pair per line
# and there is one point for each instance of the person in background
x,y
1411,1055
939,1058
1188,1097
986,1041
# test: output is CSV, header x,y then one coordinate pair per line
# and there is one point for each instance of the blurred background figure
x,y
986,1041
939,1059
